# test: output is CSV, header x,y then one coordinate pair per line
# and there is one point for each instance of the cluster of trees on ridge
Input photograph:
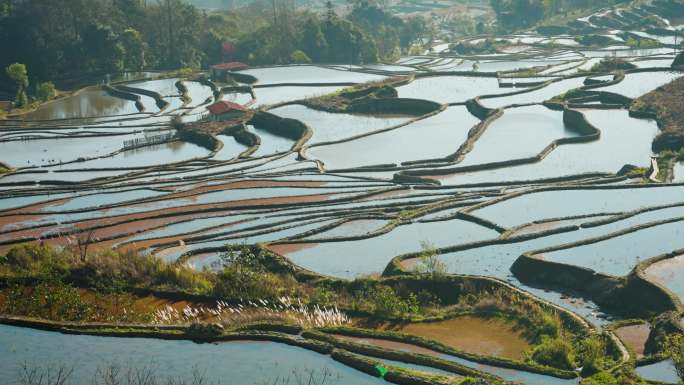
x,y
63,39
514,14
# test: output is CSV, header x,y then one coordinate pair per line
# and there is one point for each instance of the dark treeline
x,y
59,39
515,14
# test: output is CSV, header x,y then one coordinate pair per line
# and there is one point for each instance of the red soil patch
x,y
11,222
287,248
37,206
139,222
246,184
635,337
388,194
409,264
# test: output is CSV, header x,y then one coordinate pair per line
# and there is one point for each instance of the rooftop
x,y
231,66
225,106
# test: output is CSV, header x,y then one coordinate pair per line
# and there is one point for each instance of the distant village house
x,y
219,71
223,111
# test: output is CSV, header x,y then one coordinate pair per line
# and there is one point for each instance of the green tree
x,y
46,91
299,57
330,14
592,350
314,43
102,49
413,30
17,72
134,48
212,46
430,262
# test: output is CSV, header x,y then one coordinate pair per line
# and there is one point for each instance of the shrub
x,y
46,91
591,350
239,282
555,352
245,276
430,263
17,72
103,270
323,296
603,378
612,64
594,40
385,302
177,123
299,57
674,347
55,301
199,330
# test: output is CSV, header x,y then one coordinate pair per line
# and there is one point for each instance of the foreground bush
x,y
556,353
107,271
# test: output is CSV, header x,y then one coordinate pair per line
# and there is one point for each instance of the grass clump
x,y
430,263
622,376
594,40
612,64
179,73
102,270
667,104
483,47
555,352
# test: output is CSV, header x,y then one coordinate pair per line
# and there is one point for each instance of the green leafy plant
x,y
555,352
46,91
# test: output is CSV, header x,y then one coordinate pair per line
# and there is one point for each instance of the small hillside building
x,y
219,71
223,111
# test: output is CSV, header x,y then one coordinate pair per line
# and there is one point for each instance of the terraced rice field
x,y
493,174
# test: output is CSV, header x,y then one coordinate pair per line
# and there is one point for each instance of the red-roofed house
x,y
221,111
220,70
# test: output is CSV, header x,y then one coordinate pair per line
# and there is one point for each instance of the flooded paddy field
x,y
218,361
486,162
483,336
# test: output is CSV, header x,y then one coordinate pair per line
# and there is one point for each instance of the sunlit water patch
x,y
437,136
91,102
329,126
506,138
270,143
637,84
52,151
624,140
231,148
663,371
354,258
449,89
618,256
564,203
308,74
250,362
275,95
537,96
144,156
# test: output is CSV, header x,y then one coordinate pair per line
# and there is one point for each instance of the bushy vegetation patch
x,y
612,64
555,352
258,287
666,104
635,41
341,100
594,40
487,46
